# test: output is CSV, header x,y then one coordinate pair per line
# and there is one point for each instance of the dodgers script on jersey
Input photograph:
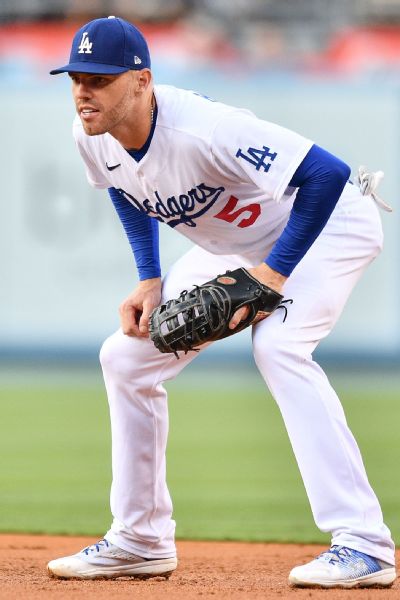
x,y
221,180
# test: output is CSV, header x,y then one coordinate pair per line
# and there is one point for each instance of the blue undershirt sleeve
x,y
142,233
320,179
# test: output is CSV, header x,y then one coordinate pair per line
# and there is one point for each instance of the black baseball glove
x,y
203,314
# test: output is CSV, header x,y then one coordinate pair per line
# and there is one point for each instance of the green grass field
x,y
231,471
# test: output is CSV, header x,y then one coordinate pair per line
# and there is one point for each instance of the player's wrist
x,y
268,276
151,283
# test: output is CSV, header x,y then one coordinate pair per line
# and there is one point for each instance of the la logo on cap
x,y
85,47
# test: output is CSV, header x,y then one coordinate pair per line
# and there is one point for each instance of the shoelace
x,y
335,555
283,305
96,547
368,184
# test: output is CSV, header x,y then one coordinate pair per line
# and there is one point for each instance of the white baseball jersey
x,y
221,178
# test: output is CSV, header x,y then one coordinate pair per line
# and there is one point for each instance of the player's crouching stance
x,y
259,200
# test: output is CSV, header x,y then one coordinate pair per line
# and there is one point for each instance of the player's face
x,y
103,101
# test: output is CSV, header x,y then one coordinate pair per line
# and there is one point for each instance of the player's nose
x,y
82,91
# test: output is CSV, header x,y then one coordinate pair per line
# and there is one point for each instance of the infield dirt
x,y
228,570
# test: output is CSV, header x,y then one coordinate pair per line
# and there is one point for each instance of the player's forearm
x,y
320,180
142,233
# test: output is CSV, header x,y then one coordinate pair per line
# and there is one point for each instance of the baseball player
x,y
250,194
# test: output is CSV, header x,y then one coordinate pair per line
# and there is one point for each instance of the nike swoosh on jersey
x,y
113,166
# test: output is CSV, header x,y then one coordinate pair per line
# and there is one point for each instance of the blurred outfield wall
x,y
65,262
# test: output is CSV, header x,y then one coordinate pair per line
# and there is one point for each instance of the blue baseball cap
x,y
107,46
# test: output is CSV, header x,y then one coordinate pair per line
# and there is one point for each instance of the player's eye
x,y
100,81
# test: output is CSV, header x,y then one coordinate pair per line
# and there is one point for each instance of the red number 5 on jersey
x,y
229,214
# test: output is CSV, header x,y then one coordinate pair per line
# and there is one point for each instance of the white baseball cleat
x,y
104,560
345,568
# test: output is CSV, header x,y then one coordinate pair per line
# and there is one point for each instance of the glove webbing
x,y
189,334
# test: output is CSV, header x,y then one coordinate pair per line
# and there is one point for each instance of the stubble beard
x,y
110,119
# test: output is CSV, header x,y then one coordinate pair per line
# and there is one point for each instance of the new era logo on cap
x,y
107,46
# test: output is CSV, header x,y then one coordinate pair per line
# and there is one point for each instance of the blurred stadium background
x,y
329,70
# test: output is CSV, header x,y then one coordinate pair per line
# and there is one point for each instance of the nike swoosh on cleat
x,y
113,167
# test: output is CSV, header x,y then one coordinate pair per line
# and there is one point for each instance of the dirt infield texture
x,y
232,571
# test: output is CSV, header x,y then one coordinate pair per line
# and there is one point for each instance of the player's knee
x,y
274,351
120,356
268,356
106,355
109,353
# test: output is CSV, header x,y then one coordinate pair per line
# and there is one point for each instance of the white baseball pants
x,y
341,498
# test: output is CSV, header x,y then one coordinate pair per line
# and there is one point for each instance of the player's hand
x,y
268,277
135,310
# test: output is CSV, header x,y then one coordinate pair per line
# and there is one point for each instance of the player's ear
x,y
143,79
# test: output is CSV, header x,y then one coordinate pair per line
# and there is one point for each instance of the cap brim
x,y
88,67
